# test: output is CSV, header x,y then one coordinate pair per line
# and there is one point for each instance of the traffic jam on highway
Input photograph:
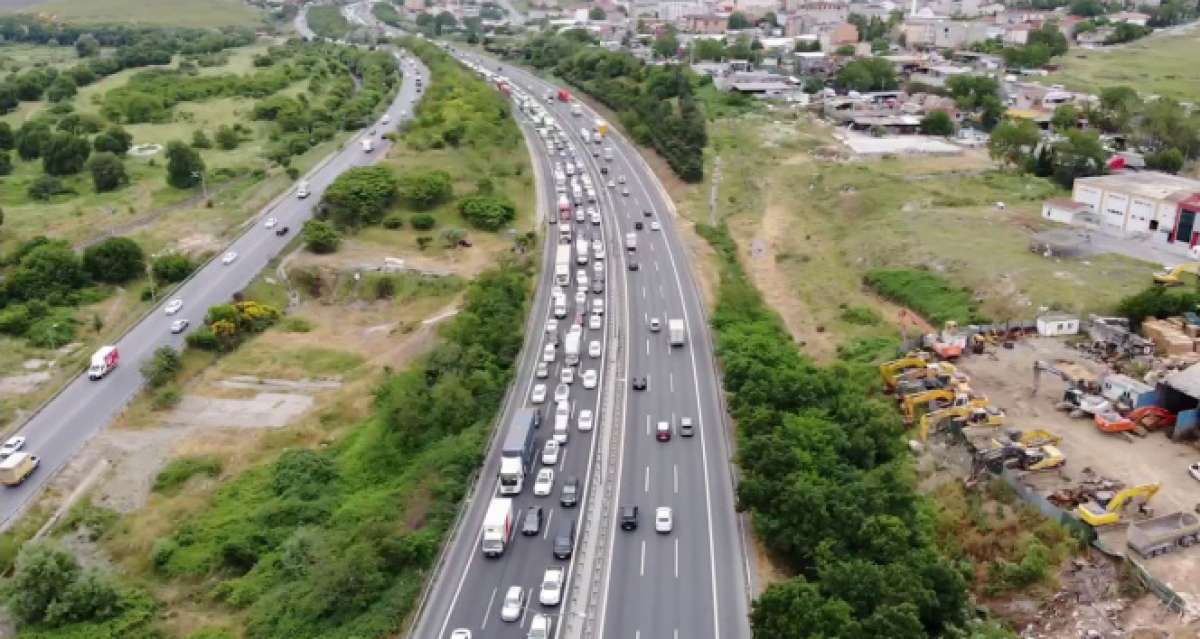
x,y
547,443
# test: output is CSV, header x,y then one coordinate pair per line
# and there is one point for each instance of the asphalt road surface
x,y
85,407
692,582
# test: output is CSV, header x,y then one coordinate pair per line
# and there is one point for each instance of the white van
x,y
302,189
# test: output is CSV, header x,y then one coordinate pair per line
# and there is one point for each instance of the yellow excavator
x,y
1106,507
961,396
890,371
1170,277
1028,439
974,415
1030,459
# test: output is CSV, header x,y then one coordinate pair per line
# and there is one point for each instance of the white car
x,y
179,326
567,376
551,326
581,277
270,223
594,348
585,420
542,370
539,627
580,298
549,353
538,395
514,602
597,266
562,393
612,185
625,191
598,305
620,179
229,257
460,633
173,306
663,522
550,453
655,325
655,226
595,322
552,583
590,378
12,445
544,484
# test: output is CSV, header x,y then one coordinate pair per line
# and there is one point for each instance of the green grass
x,y
1164,66
184,13
179,470
19,56
926,293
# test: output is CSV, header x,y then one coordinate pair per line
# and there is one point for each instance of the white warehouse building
x,y
1151,203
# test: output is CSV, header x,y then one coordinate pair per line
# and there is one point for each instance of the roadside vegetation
x,y
829,483
327,21
656,105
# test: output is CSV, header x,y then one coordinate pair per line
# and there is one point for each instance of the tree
x,y
42,576
796,609
161,367
423,221
1164,123
227,138
114,260
770,18
1065,117
937,123
6,137
80,123
359,196
1117,105
200,140
62,88
114,139
1087,8
738,20
49,270
706,49
6,165
1081,154
666,45
108,172
1011,140
444,21
487,212
423,190
65,154
845,51
596,14
44,187
87,46
868,74
30,138
320,237
1169,160
184,166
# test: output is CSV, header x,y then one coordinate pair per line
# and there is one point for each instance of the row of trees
x,y
825,474
655,103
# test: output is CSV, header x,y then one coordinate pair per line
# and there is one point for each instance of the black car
x,y
638,225
639,383
633,266
647,213
597,286
537,419
281,231
569,495
532,524
604,170
629,516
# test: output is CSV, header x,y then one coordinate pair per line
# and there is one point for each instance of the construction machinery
x,y
935,376
971,415
891,371
1113,337
948,343
1162,535
1170,277
937,399
1028,438
1027,458
1152,417
1107,507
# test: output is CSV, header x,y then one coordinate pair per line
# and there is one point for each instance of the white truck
x,y
676,332
631,241
576,110
574,337
562,422
497,527
581,250
560,306
104,361
368,145
562,265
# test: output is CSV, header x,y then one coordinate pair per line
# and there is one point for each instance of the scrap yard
x,y
1090,422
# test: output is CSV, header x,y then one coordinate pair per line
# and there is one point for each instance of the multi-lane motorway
x,y
57,431
692,582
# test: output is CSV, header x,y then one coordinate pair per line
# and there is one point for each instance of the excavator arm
x,y
1171,277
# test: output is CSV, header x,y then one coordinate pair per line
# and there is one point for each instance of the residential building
x,y
756,8
1165,206
937,75
1095,38
676,11
708,23
942,33
1132,17
839,36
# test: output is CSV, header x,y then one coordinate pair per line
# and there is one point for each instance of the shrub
x,y
393,221
320,237
200,140
295,324
861,315
178,471
44,187
6,166
227,138
926,293
203,339
55,330
423,221
359,196
172,267
65,154
167,397
161,367
114,260
184,166
423,190
487,212
108,172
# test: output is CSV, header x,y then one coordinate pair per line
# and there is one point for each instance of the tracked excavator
x,y
1170,277
938,399
971,415
1107,507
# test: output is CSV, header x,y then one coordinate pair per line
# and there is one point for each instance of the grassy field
x,y
811,228
188,13
1160,65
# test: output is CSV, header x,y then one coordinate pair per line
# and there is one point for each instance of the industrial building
x,y
1152,203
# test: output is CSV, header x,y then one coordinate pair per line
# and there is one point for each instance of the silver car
x,y
514,603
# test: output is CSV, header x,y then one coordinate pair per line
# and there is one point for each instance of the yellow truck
x,y
16,467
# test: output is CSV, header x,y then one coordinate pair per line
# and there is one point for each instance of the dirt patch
x,y
198,243
23,384
264,410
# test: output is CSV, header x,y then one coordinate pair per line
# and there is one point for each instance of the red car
x,y
662,432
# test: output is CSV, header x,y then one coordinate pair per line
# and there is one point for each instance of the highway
x,y
691,583
62,426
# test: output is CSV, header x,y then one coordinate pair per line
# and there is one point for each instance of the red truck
x,y
564,95
103,361
504,88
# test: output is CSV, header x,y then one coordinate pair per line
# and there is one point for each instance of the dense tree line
x,y
825,473
656,104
